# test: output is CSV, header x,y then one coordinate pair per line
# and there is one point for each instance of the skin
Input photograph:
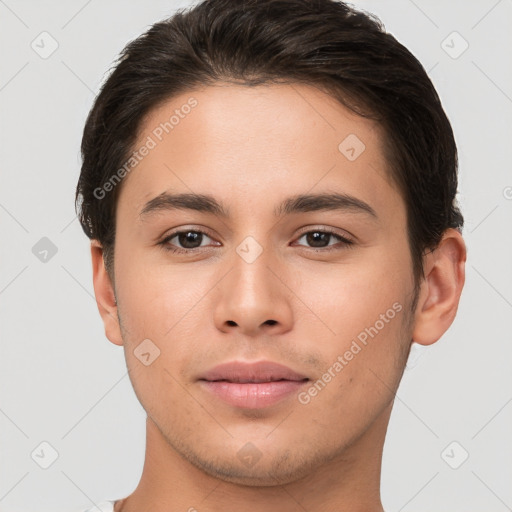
x,y
251,148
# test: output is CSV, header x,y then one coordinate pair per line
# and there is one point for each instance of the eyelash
x,y
347,243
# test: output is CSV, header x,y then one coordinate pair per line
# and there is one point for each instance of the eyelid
x,y
183,229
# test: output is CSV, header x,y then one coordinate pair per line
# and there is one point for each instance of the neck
x,y
350,482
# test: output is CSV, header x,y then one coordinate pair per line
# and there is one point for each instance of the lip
x,y
252,385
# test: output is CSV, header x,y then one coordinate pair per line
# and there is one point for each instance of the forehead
x,y
248,143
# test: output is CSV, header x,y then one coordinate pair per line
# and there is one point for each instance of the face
x,y
322,284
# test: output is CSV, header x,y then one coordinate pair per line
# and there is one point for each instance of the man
x,y
269,187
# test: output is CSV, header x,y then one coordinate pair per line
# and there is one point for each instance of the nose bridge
x,y
252,280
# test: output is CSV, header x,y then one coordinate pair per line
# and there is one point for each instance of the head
x,y
260,105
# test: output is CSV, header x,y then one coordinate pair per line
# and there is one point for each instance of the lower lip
x,y
253,395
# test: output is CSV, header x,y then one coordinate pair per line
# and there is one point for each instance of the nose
x,y
253,298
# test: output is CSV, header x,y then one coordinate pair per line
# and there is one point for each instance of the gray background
x,y
62,382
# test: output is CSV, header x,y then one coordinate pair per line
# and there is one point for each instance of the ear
x,y
105,297
440,291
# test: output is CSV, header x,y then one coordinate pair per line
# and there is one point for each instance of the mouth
x,y
252,385
254,380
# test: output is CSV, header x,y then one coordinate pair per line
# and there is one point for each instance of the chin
x,y
252,467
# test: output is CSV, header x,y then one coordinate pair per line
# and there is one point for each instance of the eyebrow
x,y
296,204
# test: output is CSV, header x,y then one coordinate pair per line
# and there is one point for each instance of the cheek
x,y
363,309
349,298
363,360
156,297
163,304
160,391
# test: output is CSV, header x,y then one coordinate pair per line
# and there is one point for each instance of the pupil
x,y
189,240
315,237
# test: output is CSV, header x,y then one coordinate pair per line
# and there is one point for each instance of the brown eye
x,y
184,241
189,239
318,239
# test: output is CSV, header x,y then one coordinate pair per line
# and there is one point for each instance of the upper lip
x,y
261,371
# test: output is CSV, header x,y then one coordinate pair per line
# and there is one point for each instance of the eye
x,y
189,240
320,238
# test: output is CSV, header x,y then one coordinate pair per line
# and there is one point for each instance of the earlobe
x,y
105,297
441,289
